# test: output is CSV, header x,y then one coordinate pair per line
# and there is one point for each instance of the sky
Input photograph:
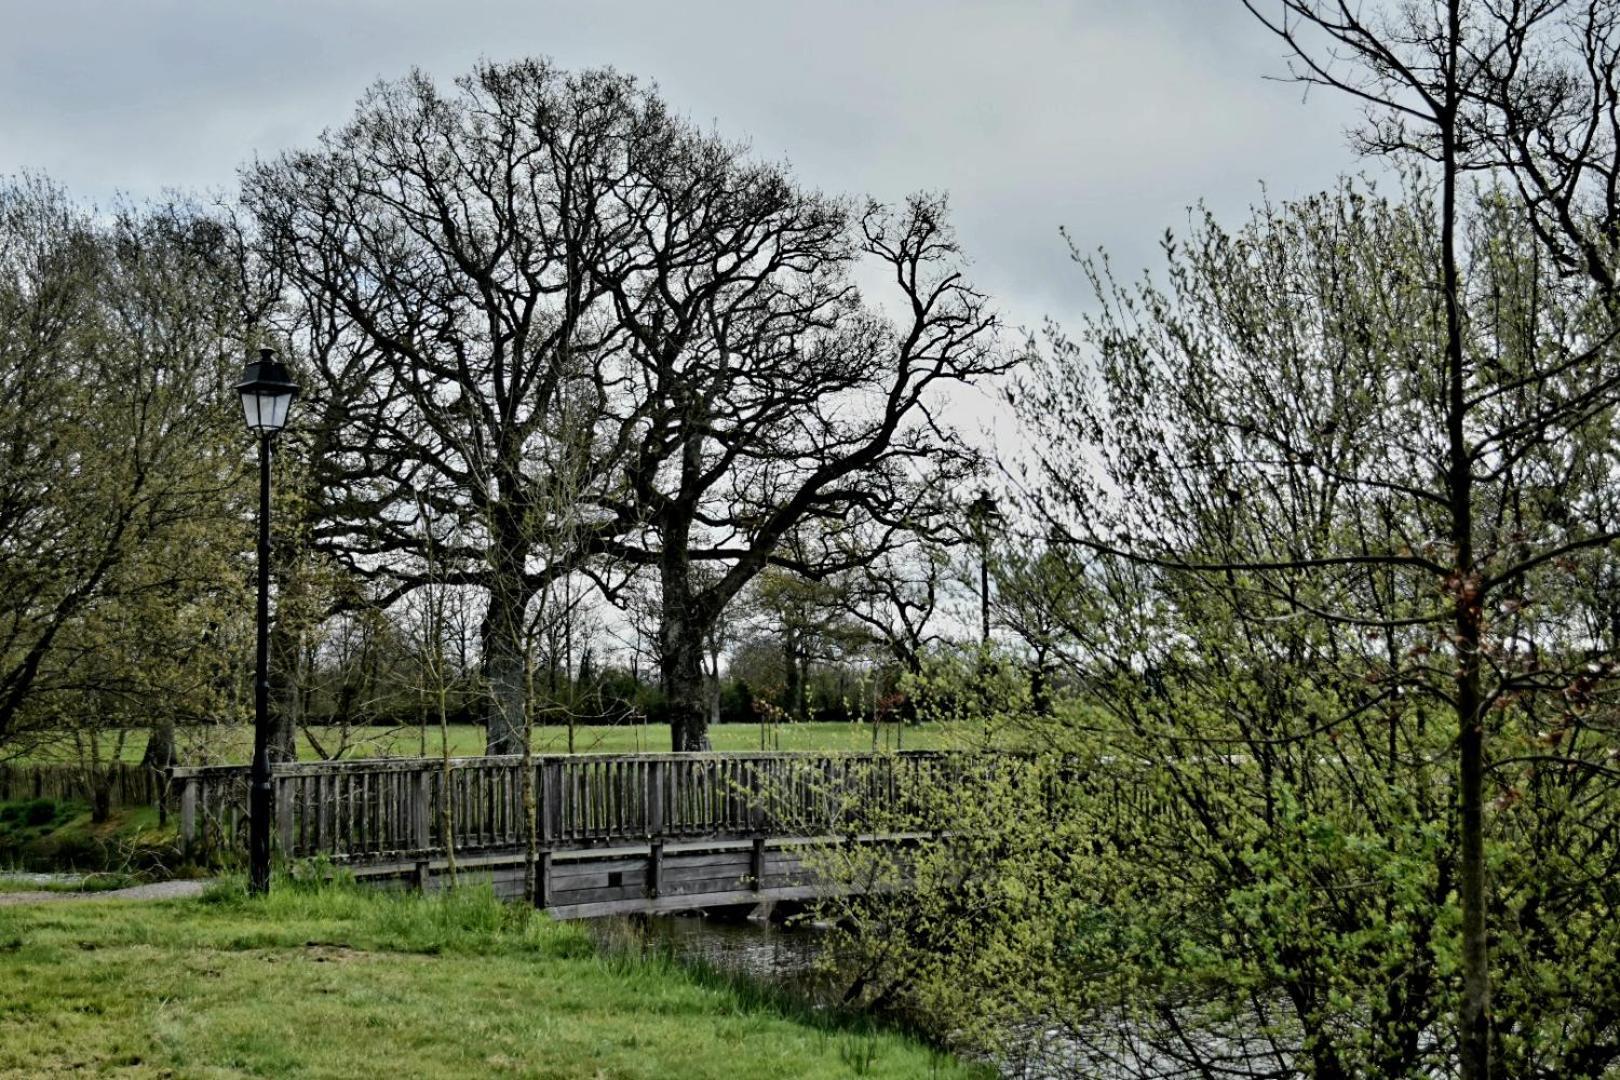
x,y
1105,118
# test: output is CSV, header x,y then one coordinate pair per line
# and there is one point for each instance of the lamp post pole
x,y
267,396
984,592
260,801
982,511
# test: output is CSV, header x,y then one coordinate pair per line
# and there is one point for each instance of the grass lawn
x,y
336,982
235,744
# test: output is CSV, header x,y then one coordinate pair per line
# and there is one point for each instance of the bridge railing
x,y
396,808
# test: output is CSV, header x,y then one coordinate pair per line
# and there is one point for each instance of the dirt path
x,y
162,890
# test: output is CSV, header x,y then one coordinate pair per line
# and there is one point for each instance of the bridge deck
x,y
645,878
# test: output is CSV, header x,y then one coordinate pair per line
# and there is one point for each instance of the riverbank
x,y
336,981
59,836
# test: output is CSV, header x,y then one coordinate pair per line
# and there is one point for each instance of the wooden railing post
x,y
550,802
188,816
542,885
421,816
758,795
656,774
284,814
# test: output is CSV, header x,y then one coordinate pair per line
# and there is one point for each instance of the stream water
x,y
780,955
786,955
29,880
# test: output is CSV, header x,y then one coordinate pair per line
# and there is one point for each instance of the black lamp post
x,y
267,396
982,511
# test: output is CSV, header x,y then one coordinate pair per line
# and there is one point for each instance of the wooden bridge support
x,y
696,875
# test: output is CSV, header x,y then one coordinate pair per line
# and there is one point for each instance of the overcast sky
x,y
1108,117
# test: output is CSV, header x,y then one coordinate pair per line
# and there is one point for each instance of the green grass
x,y
337,982
235,744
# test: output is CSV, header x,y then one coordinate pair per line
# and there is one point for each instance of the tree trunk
x,y
1475,1024
161,754
1040,695
801,684
285,693
682,683
447,823
680,653
531,822
502,635
502,640
160,749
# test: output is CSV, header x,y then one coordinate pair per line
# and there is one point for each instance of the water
x,y
41,880
774,953
788,956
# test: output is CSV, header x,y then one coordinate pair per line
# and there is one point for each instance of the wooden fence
x,y
126,784
394,808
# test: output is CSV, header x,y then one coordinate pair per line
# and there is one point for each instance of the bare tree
x,y
434,253
775,397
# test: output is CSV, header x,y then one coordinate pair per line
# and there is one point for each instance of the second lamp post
x,y
267,396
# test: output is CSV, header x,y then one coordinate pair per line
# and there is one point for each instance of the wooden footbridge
x,y
614,833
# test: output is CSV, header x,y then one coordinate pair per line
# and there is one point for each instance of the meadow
x,y
234,743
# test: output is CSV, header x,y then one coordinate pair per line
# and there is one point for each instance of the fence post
x,y
542,889
188,816
421,817
655,799
551,824
284,815
549,777
758,796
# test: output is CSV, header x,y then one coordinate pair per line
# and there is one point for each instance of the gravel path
x,y
162,890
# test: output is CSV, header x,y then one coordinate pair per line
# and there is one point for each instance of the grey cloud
x,y
1108,117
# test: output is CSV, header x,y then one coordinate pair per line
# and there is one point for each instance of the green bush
x,y
39,812
33,815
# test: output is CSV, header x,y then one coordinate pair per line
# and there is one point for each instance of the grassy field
x,y
235,744
335,982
